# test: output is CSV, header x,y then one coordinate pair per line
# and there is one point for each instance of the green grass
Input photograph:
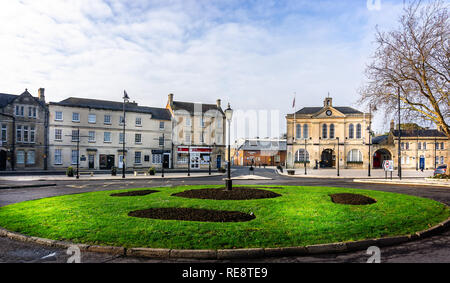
x,y
301,216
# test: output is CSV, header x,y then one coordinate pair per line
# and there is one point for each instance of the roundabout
x,y
300,216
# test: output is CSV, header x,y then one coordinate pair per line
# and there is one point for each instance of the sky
x,y
257,55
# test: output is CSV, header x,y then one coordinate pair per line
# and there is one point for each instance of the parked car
x,y
440,170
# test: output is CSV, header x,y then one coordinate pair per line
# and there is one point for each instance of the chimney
x,y
392,125
170,101
41,94
218,103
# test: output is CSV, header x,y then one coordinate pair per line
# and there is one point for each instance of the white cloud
x,y
254,57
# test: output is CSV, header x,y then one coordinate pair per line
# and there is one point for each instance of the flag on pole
x,y
125,95
293,103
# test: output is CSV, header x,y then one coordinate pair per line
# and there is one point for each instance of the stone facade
x,y
259,152
198,135
327,134
101,130
24,147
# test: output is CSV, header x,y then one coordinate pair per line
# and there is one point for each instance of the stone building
x,y
323,135
427,146
23,139
198,135
264,152
100,124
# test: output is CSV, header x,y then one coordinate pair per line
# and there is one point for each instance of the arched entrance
x,y
3,160
328,159
379,156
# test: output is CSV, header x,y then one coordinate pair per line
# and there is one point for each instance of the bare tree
x,y
413,60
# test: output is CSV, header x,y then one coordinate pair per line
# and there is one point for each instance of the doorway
x,y
328,159
166,160
379,157
91,160
106,161
2,160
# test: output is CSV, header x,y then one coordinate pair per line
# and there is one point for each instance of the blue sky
x,y
253,54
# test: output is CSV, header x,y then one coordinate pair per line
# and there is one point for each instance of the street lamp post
x,y
399,137
229,115
337,156
370,136
125,100
304,158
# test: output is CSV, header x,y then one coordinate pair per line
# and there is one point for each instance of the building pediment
x,y
328,112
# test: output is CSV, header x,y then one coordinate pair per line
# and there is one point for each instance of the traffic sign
x,y
388,165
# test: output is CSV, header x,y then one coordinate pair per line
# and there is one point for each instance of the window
x,y
156,158
107,119
442,159
161,141
358,131
32,134
305,131
19,110
58,156
91,137
332,131
107,137
188,121
121,137
402,145
424,145
19,133
137,157
354,155
58,134
121,120
4,133
138,121
30,157
407,145
442,146
419,145
34,112
75,136
74,156
301,155
437,159
187,137
351,131
298,131
92,118
219,123
161,125
20,157
75,117
58,116
324,131
25,133
138,138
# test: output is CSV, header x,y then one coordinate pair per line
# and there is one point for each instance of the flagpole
x,y
293,136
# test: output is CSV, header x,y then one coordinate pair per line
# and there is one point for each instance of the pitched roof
x,y
190,107
157,113
255,144
419,133
379,139
6,99
313,110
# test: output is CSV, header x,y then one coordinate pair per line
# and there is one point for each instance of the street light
x,y
337,156
229,115
125,100
370,134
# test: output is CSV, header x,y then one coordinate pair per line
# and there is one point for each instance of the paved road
x,y
433,249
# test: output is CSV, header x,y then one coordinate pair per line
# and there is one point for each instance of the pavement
x,y
356,173
432,249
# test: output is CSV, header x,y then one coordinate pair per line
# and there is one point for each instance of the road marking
x,y
77,186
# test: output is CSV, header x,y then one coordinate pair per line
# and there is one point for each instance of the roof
x,y
419,133
343,110
379,139
190,107
255,144
6,99
157,113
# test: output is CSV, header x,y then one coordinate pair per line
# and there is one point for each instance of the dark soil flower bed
x,y
192,214
237,193
134,193
354,199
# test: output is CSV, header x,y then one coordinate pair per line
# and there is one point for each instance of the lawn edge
x,y
211,254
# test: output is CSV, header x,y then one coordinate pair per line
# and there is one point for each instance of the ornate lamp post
x,y
125,100
229,115
337,156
